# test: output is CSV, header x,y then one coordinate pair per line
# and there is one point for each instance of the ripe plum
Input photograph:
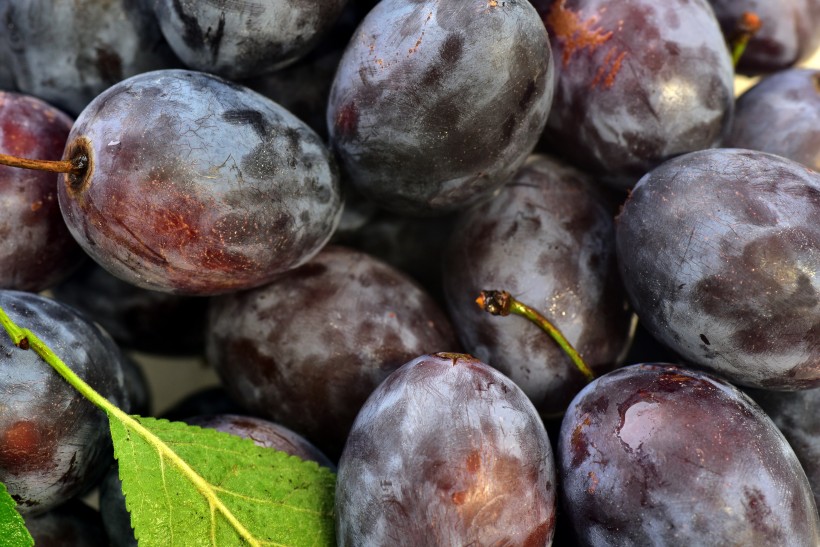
x,y
437,103
54,444
243,39
660,455
719,252
547,238
36,248
197,185
788,32
66,52
637,82
73,524
367,317
781,115
447,451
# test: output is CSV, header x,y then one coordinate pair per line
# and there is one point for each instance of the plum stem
x,y
503,303
747,26
74,166
25,339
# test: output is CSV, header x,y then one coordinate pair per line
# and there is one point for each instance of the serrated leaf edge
x,y
203,486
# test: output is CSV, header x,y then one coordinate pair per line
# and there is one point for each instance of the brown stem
x,y
502,303
747,26
74,166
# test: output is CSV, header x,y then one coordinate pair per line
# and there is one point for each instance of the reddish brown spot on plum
x,y
578,442
593,482
578,33
459,497
474,461
347,120
24,447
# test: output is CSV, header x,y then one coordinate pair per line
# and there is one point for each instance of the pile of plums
x,y
311,196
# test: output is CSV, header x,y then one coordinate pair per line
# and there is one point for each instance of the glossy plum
x,y
420,470
54,444
68,51
660,455
369,318
547,238
781,115
243,39
196,185
435,104
719,251
36,248
788,32
637,82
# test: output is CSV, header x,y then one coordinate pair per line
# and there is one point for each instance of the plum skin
x,y
396,114
197,185
718,251
446,451
548,238
369,317
655,454
36,249
54,444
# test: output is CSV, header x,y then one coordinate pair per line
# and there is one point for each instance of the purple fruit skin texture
x,y
659,455
787,35
68,51
718,251
36,248
781,115
447,451
264,433
244,39
198,185
54,444
797,415
368,319
637,82
548,238
437,104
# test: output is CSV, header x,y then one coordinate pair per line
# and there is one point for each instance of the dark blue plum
x,y
548,238
719,252
73,524
244,39
327,332
54,444
447,451
66,52
637,82
659,455
781,115
788,32
797,415
196,185
435,104
137,318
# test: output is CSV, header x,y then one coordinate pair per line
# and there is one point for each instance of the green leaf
x,y
188,486
13,532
